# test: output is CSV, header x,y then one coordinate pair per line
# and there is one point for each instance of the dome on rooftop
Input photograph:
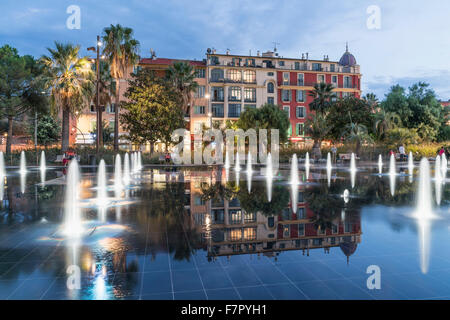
x,y
347,59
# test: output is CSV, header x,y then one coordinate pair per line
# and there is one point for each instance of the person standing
x,y
333,152
402,152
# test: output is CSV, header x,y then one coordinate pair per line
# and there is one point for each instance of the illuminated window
x,y
286,78
249,217
234,94
235,216
250,94
234,75
286,231
235,234
250,76
249,233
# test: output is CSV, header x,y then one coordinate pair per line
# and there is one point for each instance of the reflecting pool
x,y
200,234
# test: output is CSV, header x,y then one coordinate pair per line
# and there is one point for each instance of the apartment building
x,y
229,84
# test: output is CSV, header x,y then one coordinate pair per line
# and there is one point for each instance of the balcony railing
x,y
234,114
312,84
225,80
217,99
217,113
251,100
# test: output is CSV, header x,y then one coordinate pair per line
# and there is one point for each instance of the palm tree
x,y
70,82
372,101
323,97
385,121
317,127
182,75
121,50
356,133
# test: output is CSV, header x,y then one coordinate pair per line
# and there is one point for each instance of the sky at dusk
x,y
411,45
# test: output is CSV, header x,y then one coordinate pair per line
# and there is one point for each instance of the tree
x,y
372,101
418,108
385,121
182,75
323,96
106,131
318,128
153,109
268,117
69,78
20,87
356,133
345,111
121,50
48,130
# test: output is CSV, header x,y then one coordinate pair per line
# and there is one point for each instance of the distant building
x,y
229,84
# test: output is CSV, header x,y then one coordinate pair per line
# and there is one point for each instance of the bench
x,y
347,156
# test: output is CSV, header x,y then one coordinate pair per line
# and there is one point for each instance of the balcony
x,y
251,100
234,114
217,113
225,80
312,84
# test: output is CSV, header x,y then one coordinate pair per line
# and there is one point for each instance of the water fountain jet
x,y
380,164
72,214
329,168
294,180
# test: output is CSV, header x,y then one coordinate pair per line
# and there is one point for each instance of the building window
x,y
214,60
270,74
200,73
317,67
286,231
250,62
199,109
285,78
235,216
236,62
234,94
111,108
270,100
217,93
216,74
281,63
249,217
334,81
250,76
320,78
300,130
301,229
198,200
249,234
234,75
332,68
297,65
301,213
234,110
92,108
300,112
235,234
287,110
200,93
217,110
300,96
250,94
347,82
270,87
300,79
286,95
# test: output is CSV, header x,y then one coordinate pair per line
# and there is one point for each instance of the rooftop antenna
x,y
152,54
275,46
346,46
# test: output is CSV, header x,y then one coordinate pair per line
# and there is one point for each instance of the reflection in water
x,y
249,171
294,181
269,176
329,168
190,217
437,179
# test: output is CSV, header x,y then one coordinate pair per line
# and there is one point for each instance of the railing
x,y
234,114
217,99
251,100
312,84
217,113
224,80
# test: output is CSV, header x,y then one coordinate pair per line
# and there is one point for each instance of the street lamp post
x,y
98,108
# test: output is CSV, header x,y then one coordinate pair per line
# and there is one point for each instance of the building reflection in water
x,y
230,228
